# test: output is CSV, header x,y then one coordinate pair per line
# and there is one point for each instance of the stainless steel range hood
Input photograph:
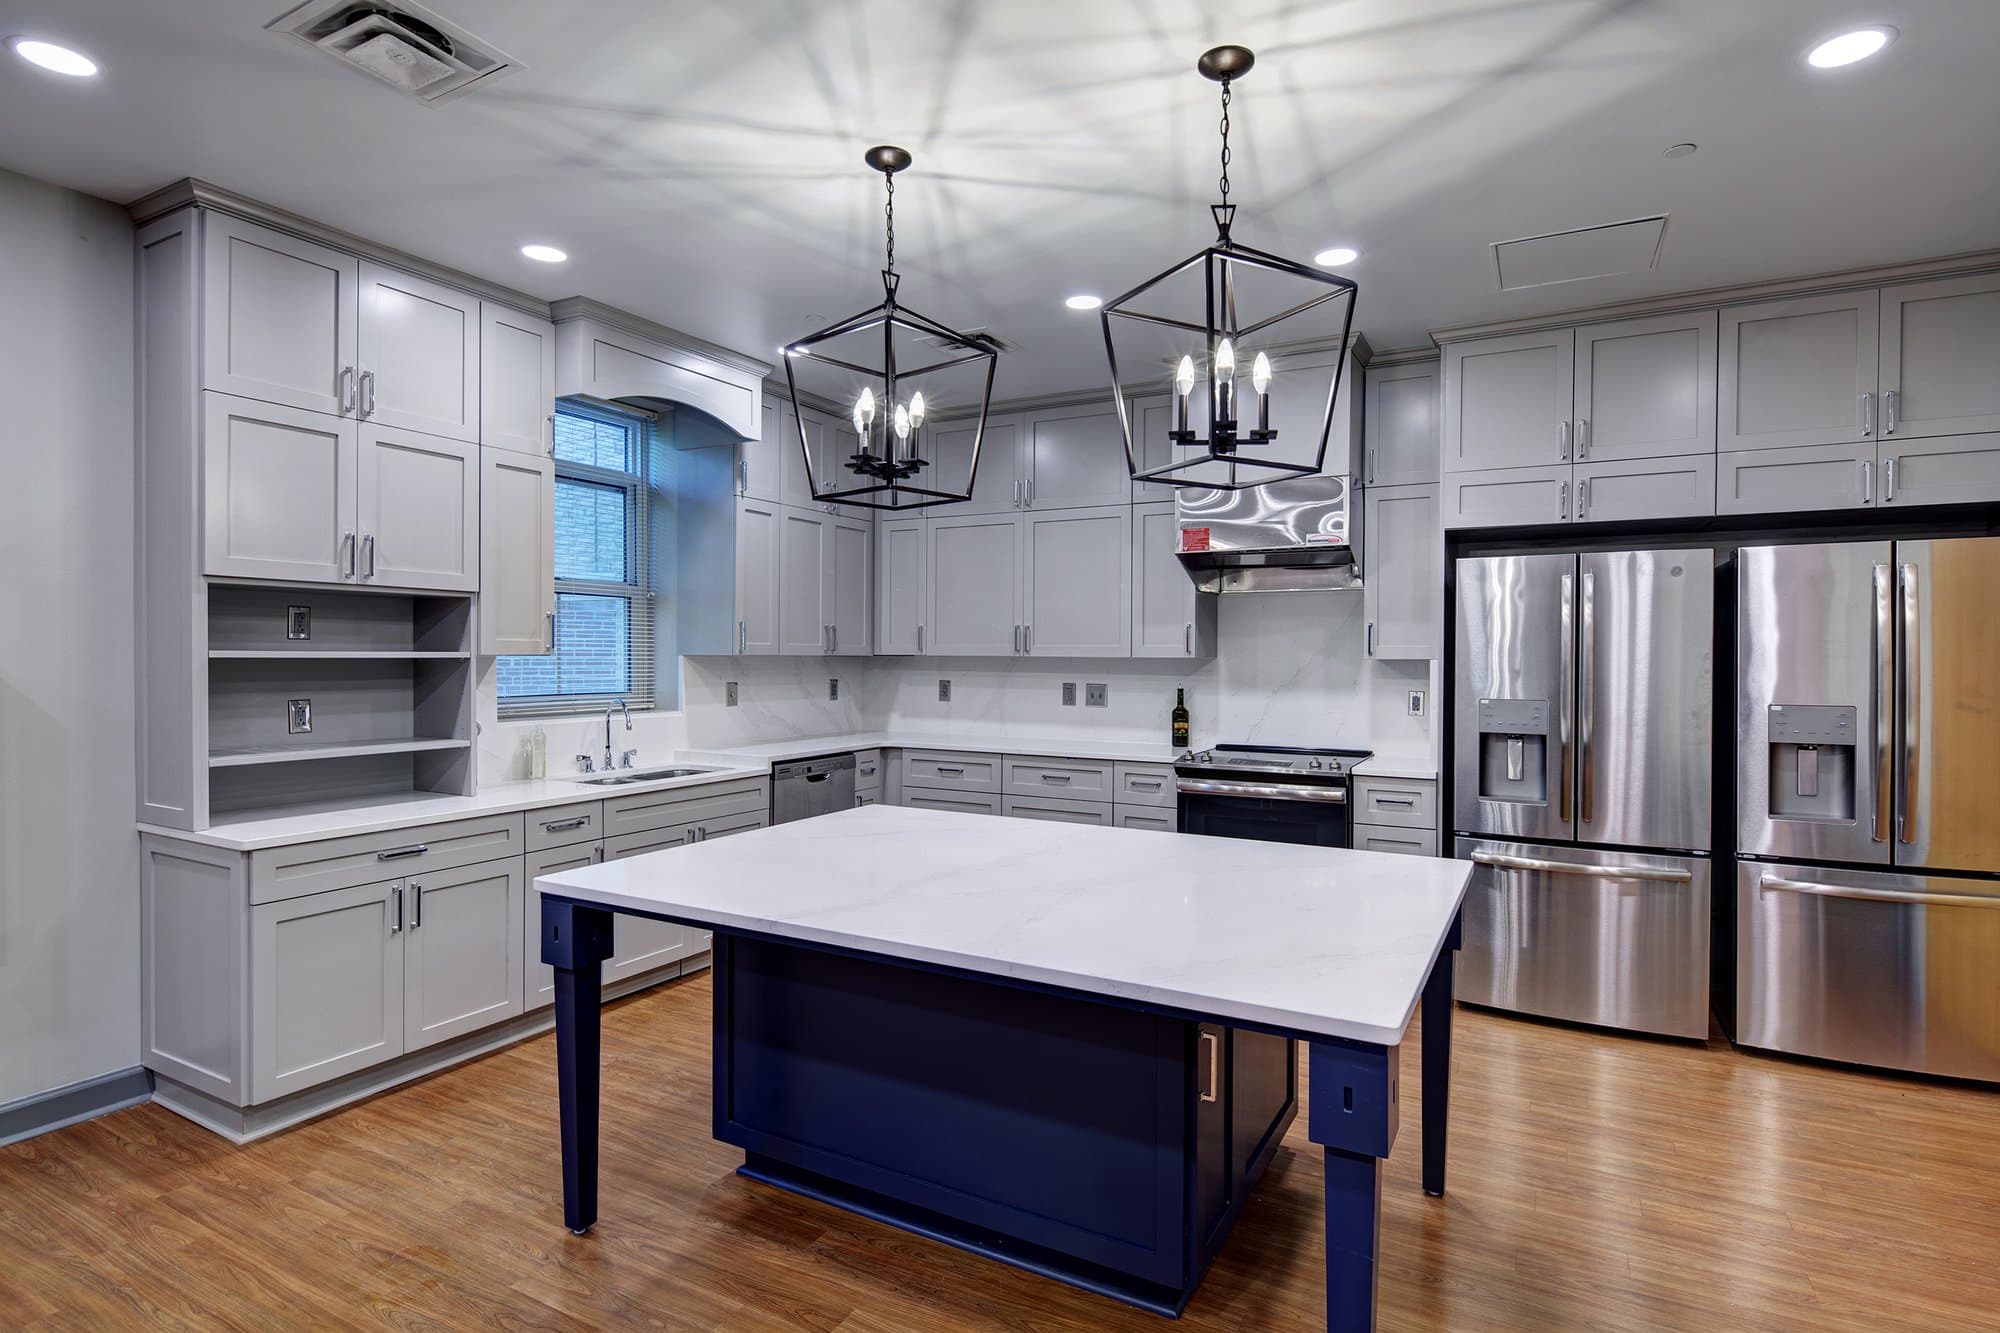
x,y
1288,536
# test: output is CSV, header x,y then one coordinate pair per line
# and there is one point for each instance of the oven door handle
x,y
1269,791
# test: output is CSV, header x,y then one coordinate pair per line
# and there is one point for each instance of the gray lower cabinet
x,y
1607,492
964,802
1398,815
540,979
1397,841
1817,477
1402,593
326,986
1056,810
462,951
1072,779
1169,618
1510,497
1144,784
1156,818
1957,469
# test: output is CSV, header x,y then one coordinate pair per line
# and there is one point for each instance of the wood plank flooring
x,y
1595,1183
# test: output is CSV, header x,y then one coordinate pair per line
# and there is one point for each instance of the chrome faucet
x,y
609,754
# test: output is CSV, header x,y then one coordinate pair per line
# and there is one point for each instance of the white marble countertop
x,y
1315,940
1077,747
1399,764
249,835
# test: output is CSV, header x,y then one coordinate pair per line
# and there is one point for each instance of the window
x,y
604,601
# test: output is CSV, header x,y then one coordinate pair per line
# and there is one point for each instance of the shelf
x,y
292,754
282,655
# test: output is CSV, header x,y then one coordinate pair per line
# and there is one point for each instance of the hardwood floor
x,y
1595,1183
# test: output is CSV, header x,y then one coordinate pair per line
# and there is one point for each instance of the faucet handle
x,y
625,759
589,765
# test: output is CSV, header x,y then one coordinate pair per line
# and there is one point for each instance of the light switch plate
x,y
1416,704
832,688
1096,695
1069,694
298,716
298,622
944,691
729,694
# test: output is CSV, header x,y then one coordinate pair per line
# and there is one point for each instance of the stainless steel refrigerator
x,y
1868,776
1583,745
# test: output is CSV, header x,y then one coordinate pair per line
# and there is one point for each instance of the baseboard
x,y
74,1103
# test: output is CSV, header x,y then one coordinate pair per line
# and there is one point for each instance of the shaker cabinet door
x,y
278,492
997,485
1799,371
1507,401
902,566
326,986
975,586
1609,492
462,966
278,317
1169,618
418,510
1777,481
1077,583
848,573
1510,497
1401,426
1402,588
418,357
1940,350
517,554
757,525
804,616
517,381
1075,456
1645,388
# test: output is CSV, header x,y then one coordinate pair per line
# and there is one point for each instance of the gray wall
x,y
69,877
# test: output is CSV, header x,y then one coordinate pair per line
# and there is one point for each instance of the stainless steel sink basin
x,y
630,776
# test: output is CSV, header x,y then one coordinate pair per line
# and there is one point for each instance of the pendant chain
x,y
1225,141
889,216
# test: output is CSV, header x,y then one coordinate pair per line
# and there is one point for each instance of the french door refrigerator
x,y
1582,750
1868,772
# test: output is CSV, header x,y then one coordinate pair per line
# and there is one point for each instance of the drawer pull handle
x,y
1396,800
1055,777
949,770
560,825
398,853
1781,884
1147,784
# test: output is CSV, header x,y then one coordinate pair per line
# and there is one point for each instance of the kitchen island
x,y
1070,1048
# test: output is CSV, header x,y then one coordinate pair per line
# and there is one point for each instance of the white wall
x,y
69,859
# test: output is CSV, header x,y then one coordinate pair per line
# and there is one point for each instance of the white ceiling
x,y
701,162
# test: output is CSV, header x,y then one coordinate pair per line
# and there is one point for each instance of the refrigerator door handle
x,y
1882,671
1586,703
1778,883
1912,706
1503,861
1565,706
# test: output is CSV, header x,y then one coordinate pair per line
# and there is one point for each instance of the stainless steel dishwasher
x,y
808,787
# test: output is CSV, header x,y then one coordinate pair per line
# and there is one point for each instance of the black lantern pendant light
x,y
896,370
1207,335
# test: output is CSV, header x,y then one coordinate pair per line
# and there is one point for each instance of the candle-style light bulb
x,y
1260,373
1225,359
917,409
1225,374
1183,385
864,407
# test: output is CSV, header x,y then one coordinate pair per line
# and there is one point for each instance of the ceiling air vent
x,y
405,46
980,336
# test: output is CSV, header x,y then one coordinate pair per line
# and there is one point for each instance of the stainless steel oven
x,y
1270,793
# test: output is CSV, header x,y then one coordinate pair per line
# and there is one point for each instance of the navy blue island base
x,y
1102,1142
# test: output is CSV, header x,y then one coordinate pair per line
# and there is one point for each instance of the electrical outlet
x,y
944,691
298,716
1069,694
832,688
298,622
729,694
1416,705
1096,696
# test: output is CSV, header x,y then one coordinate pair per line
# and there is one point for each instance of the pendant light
x,y
1224,309
901,376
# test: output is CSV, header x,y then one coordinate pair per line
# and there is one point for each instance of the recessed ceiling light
x,y
56,59
1083,301
1337,256
544,254
1680,150
1849,47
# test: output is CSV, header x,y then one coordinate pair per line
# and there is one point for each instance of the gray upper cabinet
x,y
1402,598
1077,582
1611,491
1298,411
803,615
1074,457
1798,371
758,527
824,443
1152,420
1645,388
1507,401
1962,469
418,510
1510,497
417,360
326,986
1401,425
1169,618
760,469
462,966
278,492
517,553
1776,481
279,317
997,486
1940,370
848,575
975,586
517,380
902,576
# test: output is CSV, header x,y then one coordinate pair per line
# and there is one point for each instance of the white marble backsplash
x,y
778,698
1293,670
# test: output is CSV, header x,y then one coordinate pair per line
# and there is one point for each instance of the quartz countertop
x,y
1408,764
1313,940
1076,747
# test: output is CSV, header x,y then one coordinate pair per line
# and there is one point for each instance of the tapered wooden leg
x,y
575,941
1438,1007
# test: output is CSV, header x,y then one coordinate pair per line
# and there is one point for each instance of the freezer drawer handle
x,y
1502,861
1270,791
1783,885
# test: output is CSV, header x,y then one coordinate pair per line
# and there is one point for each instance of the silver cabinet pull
x,y
836,637
743,472
1214,1042
1889,412
1867,482
1503,861
1867,414
1583,437
367,393
347,545
1017,493
368,544
1028,493
417,906
1913,702
551,419
949,770
1056,777
1586,702
1269,791
1562,439
1888,480
1562,502
1567,686
1027,638
920,639
742,636
396,926
1371,463
399,853
1017,640
562,825
549,630
1881,670
1145,784
346,388
1399,801
1187,639
1781,884
1582,497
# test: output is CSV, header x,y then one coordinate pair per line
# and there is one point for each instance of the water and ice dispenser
x,y
1812,760
1514,750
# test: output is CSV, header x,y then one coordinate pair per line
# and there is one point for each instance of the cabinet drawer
x,y
716,824
561,825
277,873
684,805
1056,810
1078,779
1144,784
1158,818
1401,841
867,768
1400,804
951,771
965,803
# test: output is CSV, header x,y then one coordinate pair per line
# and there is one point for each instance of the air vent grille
x,y
406,46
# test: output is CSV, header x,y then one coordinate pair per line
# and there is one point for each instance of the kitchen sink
x,y
629,776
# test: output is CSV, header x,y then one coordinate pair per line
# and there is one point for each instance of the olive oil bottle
x,y
1180,719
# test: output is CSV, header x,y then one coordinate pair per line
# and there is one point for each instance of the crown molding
x,y
584,307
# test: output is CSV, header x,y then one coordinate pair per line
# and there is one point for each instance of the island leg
x,y
1352,1115
1438,1005
576,939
